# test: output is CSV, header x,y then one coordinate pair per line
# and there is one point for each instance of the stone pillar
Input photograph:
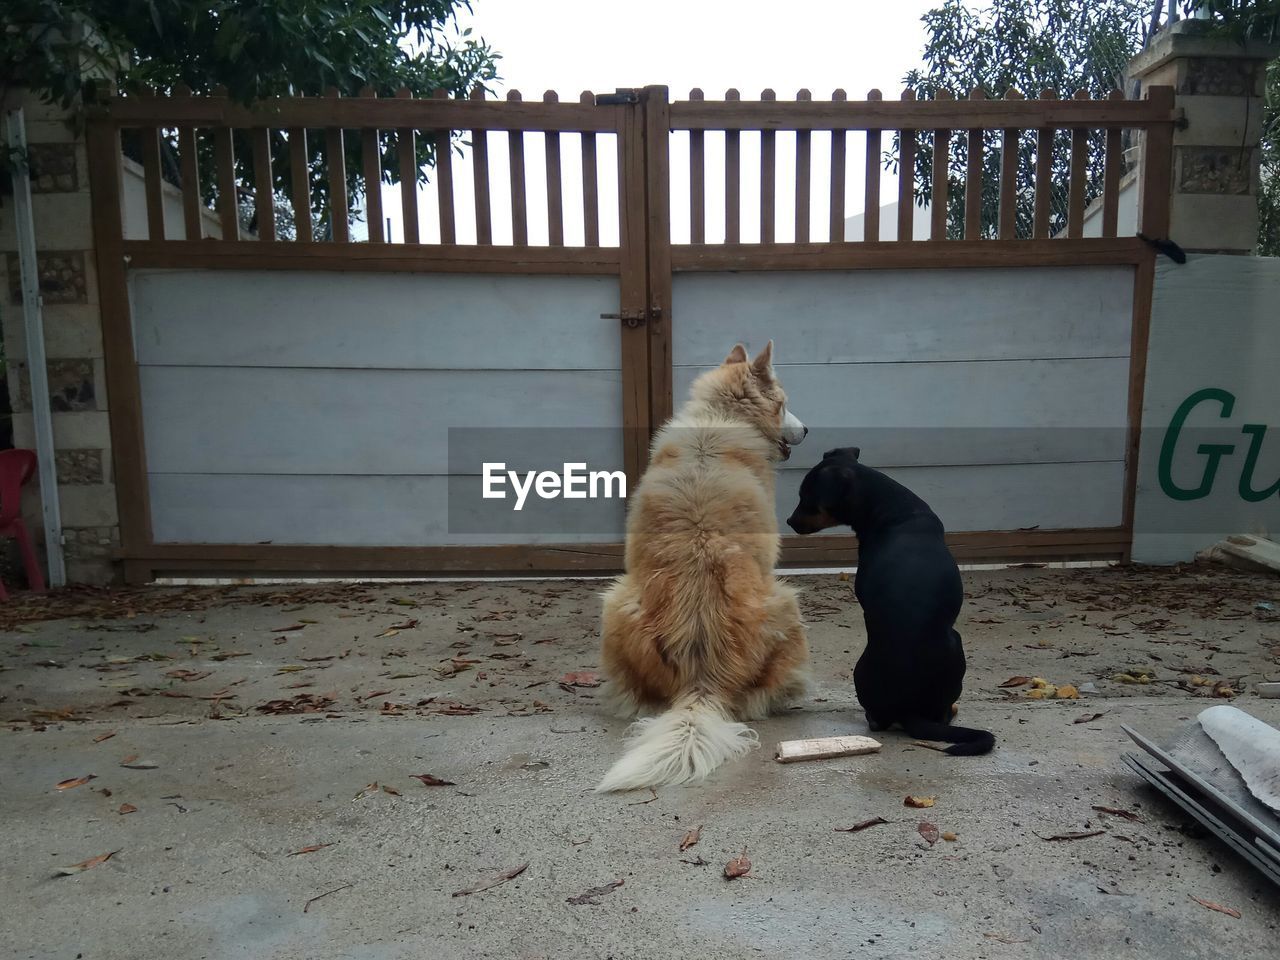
x,y
1219,83
73,342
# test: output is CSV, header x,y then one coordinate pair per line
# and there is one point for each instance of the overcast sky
x,y
575,45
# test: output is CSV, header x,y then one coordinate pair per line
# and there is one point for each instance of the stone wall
x,y
73,343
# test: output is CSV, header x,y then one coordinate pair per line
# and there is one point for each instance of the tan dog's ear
x,y
737,355
762,365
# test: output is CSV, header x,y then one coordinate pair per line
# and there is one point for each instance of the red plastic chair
x,y
16,468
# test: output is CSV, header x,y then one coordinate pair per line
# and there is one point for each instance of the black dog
x,y
910,591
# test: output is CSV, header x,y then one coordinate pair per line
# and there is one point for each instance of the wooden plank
x,y
941,174
128,448
802,176
906,176
336,159
658,233
824,748
480,175
410,258
768,178
1009,149
444,179
973,177
300,174
153,180
355,112
697,182
633,290
892,254
1079,175
407,155
871,202
1113,161
590,188
839,146
261,559
915,115
515,151
1157,171
555,181
192,204
371,168
732,175
225,167
1044,174
264,185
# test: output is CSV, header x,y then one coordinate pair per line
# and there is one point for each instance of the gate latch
x,y
634,318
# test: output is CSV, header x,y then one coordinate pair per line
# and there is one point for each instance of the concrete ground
x,y
253,754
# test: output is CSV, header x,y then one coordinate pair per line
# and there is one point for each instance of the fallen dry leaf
x,y
429,781
1229,911
590,897
950,837
133,763
1073,836
85,865
581,678
1016,682
493,882
311,849
690,838
739,866
104,736
929,831
919,802
1120,812
291,627
1089,717
391,790
127,808
188,675
874,821
75,782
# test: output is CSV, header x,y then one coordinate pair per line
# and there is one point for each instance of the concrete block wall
x,y
73,343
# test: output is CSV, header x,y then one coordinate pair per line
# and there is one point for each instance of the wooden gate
x,y
662,286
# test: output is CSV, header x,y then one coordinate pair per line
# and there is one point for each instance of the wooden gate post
x,y
657,122
634,286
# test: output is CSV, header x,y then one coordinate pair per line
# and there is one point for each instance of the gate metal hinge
x,y
619,97
634,318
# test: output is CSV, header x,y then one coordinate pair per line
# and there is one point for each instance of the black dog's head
x,y
825,492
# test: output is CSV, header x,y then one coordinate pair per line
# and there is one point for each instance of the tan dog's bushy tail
x,y
686,743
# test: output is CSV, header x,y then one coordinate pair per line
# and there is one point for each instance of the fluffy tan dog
x,y
699,626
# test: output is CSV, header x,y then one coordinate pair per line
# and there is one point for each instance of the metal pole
x,y
37,366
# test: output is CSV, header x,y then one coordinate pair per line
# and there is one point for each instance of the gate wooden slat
x,y
657,138
732,174
802,177
371,169
515,150
336,158
1079,174
407,161
224,164
871,203
153,182
264,190
1044,174
1114,159
973,177
906,177
941,169
192,206
839,146
555,199
633,290
300,175
697,182
443,143
1009,147
768,177
590,187
480,176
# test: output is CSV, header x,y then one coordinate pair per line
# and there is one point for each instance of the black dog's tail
x,y
966,741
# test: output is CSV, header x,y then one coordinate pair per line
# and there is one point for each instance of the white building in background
x,y
854,226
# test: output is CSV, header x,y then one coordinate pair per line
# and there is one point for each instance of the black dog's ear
x,y
854,452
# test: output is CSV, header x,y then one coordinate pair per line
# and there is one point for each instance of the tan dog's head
x,y
748,390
